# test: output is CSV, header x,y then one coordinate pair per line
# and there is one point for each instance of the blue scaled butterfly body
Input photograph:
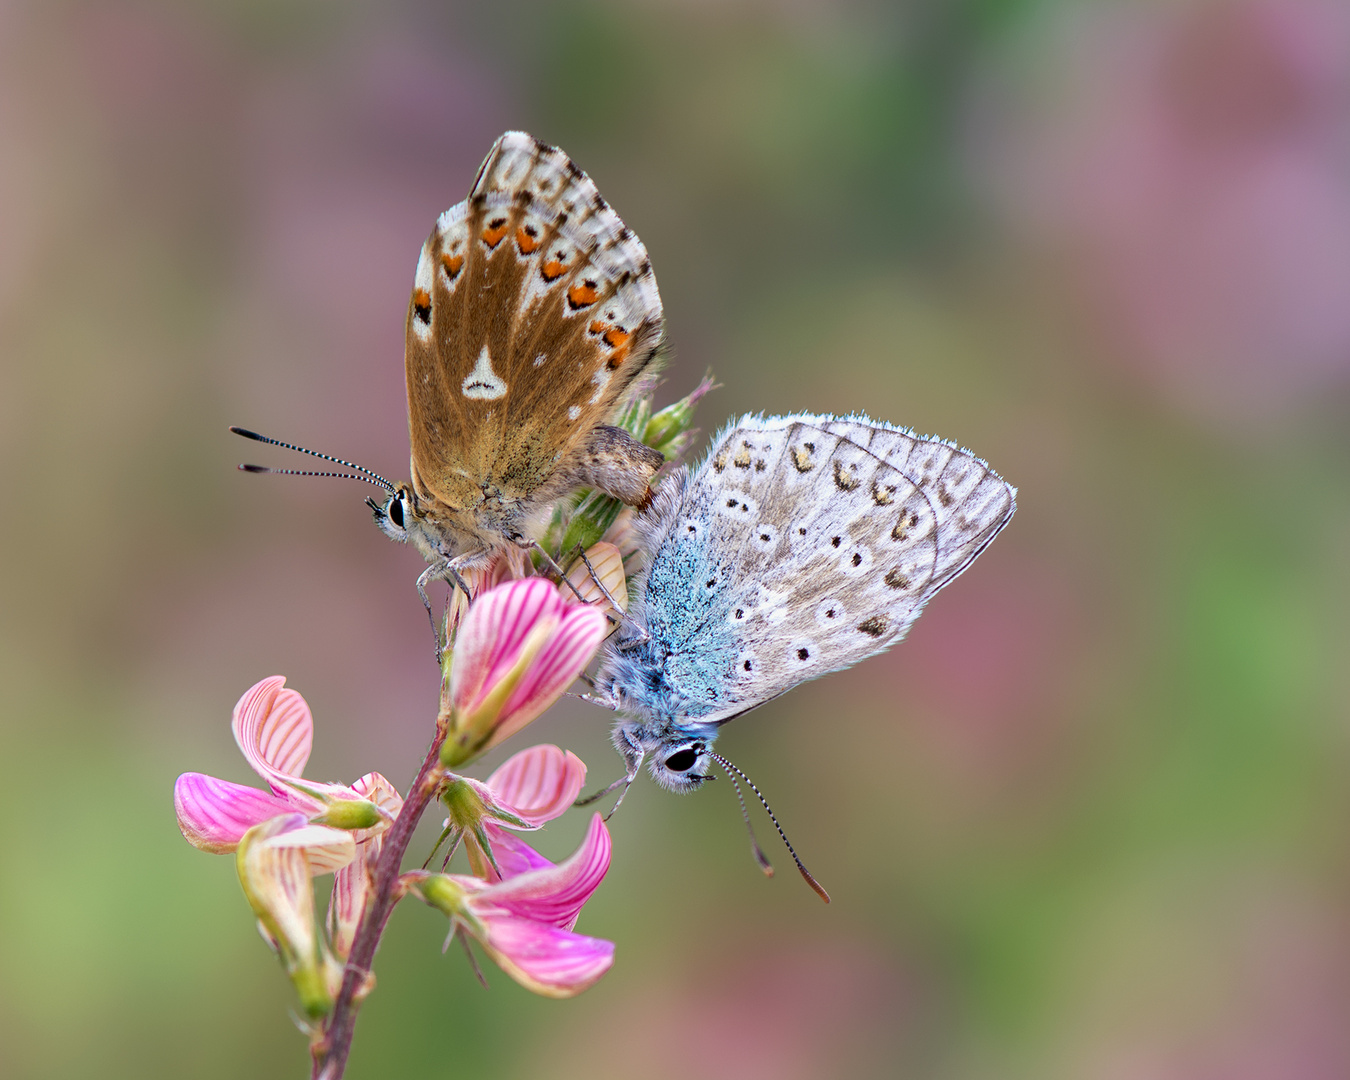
x,y
800,545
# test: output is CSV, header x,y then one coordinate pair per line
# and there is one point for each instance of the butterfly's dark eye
x,y
682,760
395,511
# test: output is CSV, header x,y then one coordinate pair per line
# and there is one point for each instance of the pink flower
x,y
530,788
275,730
519,647
525,921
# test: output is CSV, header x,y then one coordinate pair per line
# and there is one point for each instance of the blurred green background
x,y
1089,821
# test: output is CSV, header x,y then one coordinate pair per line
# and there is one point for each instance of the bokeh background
x,y
1090,821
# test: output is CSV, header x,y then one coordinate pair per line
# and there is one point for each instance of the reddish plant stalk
x,y
330,1050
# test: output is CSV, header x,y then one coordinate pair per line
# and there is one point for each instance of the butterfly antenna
x,y
755,849
733,772
366,474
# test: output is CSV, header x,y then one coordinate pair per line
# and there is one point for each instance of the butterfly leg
x,y
600,584
549,562
632,759
624,782
444,570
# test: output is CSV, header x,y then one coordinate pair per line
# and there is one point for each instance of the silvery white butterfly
x,y
801,545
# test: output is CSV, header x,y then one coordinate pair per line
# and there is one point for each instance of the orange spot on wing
x,y
452,263
617,339
492,235
598,327
421,298
618,356
552,270
582,295
526,242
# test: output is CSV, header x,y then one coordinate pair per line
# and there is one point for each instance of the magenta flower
x,y
519,647
275,730
524,922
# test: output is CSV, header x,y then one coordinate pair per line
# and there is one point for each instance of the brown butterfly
x,y
533,311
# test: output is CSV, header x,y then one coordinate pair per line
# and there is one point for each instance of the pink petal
x,y
538,784
352,882
275,731
492,634
554,894
325,849
350,885
544,959
557,665
214,814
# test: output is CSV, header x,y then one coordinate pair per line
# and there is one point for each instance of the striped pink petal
x,y
493,633
544,959
348,901
538,784
275,731
352,882
325,849
553,894
555,668
214,814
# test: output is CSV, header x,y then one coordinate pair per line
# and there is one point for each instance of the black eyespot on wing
x,y
682,760
835,541
803,654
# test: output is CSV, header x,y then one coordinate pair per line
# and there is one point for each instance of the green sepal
x,y
349,814
589,521
665,429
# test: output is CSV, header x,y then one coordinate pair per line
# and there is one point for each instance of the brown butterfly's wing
x,y
534,309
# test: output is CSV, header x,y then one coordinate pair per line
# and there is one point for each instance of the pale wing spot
x,y
831,612
574,412
539,360
482,382
424,278
601,380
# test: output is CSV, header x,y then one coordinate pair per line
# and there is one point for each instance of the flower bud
x,y
274,871
666,430
520,646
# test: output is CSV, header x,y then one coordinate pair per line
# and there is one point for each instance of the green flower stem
x,y
330,1051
